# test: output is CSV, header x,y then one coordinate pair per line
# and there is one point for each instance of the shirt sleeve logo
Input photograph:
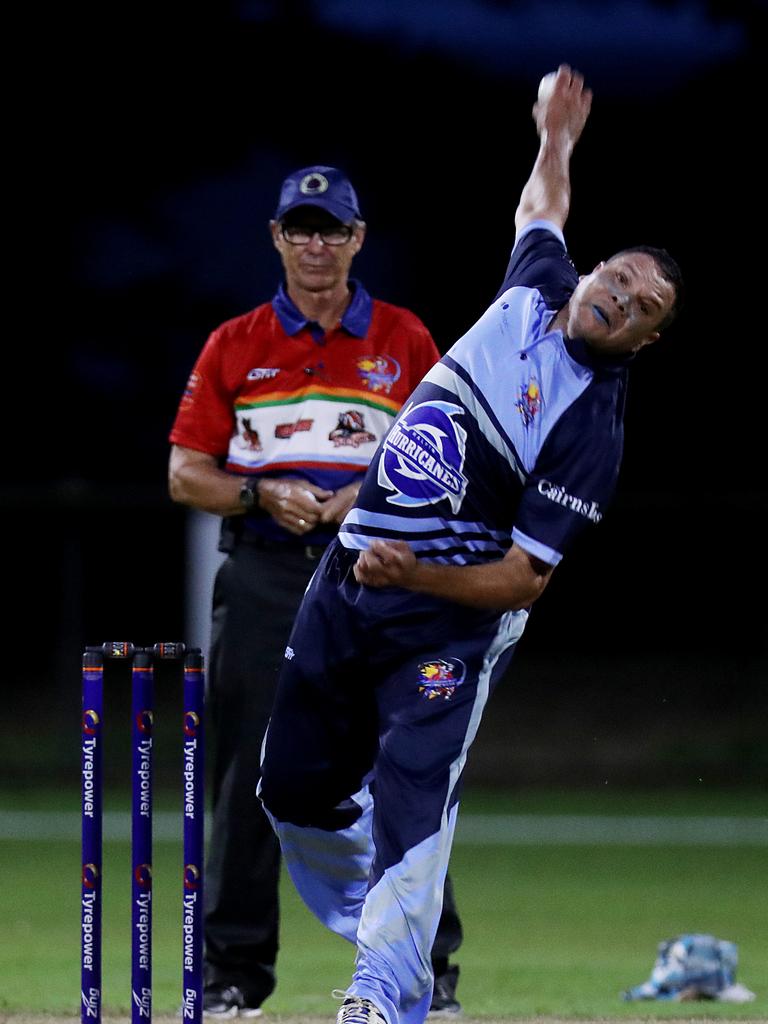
x,y
378,373
193,383
422,459
583,506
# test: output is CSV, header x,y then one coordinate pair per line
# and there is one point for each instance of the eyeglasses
x,y
296,234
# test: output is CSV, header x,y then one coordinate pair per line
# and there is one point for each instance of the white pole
x,y
203,559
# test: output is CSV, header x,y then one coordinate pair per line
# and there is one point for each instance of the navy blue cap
x,y
326,187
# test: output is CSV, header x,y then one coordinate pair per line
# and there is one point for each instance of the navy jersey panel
x,y
575,473
513,436
540,260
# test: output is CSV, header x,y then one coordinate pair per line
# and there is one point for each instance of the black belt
x,y
314,552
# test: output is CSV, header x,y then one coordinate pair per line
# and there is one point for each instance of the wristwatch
x,y
249,492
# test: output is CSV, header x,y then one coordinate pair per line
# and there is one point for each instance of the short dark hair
x,y
669,270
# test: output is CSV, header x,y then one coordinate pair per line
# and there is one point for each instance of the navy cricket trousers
x,y
379,699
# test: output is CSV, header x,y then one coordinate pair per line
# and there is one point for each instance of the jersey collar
x,y
581,352
356,319
611,365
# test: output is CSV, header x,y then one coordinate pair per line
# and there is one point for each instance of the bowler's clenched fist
x,y
386,564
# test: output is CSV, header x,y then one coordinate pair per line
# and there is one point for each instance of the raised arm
x,y
560,117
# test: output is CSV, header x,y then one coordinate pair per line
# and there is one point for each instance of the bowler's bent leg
x,y
318,751
331,869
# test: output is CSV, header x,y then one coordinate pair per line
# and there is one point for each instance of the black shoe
x,y
226,1001
444,1002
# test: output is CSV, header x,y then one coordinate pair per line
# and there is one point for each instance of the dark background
x,y
146,162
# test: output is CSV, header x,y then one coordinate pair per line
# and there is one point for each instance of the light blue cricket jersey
x,y
516,435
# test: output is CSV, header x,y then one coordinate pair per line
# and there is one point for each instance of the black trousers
x,y
256,595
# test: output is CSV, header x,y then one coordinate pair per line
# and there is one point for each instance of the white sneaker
x,y
355,1010
736,993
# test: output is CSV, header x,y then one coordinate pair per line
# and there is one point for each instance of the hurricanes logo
x,y
423,457
529,402
439,678
191,876
379,373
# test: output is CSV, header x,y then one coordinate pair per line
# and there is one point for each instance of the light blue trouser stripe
x,y
511,626
398,927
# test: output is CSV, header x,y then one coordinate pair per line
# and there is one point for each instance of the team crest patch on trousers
x,y
439,678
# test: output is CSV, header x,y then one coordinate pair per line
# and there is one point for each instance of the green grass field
x,y
554,930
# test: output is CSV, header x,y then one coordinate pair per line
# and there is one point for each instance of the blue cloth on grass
x,y
691,966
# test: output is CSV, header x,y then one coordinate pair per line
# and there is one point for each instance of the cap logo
x,y
313,184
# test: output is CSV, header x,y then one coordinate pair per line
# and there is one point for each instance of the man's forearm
x,y
195,479
560,116
478,586
547,193
509,584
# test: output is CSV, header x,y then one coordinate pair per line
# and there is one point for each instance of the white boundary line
x,y
478,829
646,830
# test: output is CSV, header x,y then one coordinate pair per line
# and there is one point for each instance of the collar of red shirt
x,y
356,319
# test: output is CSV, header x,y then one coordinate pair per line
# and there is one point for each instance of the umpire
x,y
281,414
